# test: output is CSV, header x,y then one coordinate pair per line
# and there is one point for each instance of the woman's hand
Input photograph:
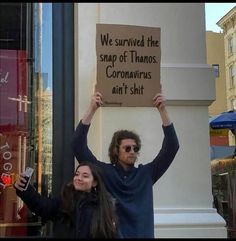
x,y
20,182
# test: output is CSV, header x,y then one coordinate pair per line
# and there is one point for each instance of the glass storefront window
x,y
25,110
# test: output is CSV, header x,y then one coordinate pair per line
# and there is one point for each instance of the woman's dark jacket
x,y
76,226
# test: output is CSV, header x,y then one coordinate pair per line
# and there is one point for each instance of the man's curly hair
x,y
118,136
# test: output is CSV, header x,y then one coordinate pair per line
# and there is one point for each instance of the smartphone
x,y
28,174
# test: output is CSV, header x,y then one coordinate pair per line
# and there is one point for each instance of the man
x,y
130,186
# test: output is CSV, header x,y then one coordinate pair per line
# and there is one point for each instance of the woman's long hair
x,y
104,221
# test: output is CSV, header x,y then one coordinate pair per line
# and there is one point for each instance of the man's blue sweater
x,y
131,189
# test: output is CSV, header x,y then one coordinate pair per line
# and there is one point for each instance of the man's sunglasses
x,y
128,148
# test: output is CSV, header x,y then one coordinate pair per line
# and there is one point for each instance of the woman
x,y
84,210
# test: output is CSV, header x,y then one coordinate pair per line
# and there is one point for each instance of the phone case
x,y
28,174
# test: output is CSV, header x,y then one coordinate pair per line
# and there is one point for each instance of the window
x,y
232,75
33,52
25,110
216,70
230,45
233,104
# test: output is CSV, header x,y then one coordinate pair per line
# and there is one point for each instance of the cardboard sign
x,y
128,64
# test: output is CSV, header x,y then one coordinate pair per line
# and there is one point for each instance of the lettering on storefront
x,y
6,156
3,78
21,101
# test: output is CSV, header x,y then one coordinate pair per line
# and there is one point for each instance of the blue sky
x,y
214,12
47,43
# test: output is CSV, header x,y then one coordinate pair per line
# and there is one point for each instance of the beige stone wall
x,y
216,55
182,197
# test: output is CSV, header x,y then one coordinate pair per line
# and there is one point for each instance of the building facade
x,y
216,58
183,200
227,23
223,169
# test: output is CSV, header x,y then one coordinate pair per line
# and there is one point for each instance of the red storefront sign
x,y
13,128
219,137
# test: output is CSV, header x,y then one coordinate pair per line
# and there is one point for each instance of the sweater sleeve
x,y
79,144
166,155
45,207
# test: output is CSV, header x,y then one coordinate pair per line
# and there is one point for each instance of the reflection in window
x,y
25,109
216,70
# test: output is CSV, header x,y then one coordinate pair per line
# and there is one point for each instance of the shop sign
x,y
13,125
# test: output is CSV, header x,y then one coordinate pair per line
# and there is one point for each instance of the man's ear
x,y
116,151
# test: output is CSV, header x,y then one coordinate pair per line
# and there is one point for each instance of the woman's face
x,y
83,179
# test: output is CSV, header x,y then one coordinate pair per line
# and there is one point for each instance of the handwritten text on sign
x,y
128,64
